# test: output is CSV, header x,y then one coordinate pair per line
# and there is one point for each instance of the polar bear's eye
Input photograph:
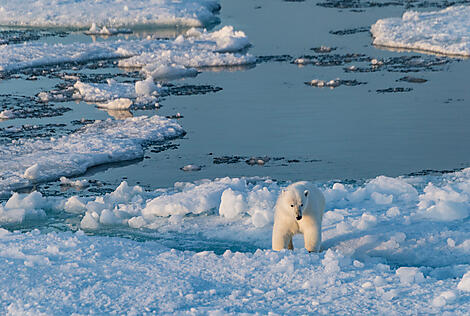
x,y
292,205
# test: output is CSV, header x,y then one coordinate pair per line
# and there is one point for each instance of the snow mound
x,y
446,31
27,161
84,13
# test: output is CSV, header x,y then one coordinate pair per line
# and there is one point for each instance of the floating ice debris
x,y
376,62
351,31
111,13
169,72
198,49
191,168
412,79
302,61
95,30
445,31
7,114
330,59
394,90
25,161
116,104
142,92
79,184
100,92
57,96
405,64
175,116
257,161
333,83
323,49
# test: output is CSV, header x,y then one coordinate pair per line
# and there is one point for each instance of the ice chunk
x,y
7,114
95,30
32,172
75,205
145,87
191,168
23,207
232,204
116,104
79,184
409,275
447,211
464,284
169,72
444,298
99,92
445,31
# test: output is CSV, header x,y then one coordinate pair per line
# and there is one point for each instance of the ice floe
x,y
25,162
157,58
446,31
84,13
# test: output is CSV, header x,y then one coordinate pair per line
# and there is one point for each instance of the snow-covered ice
x,y
27,161
178,56
446,31
83,13
379,247
383,243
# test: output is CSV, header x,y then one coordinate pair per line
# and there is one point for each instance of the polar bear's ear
x,y
306,192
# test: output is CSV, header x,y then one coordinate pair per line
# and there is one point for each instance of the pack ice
x,y
400,244
25,162
446,31
83,13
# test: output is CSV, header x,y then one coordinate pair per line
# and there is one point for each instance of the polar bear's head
x,y
295,201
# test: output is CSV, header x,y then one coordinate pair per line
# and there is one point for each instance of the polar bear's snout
x,y
298,214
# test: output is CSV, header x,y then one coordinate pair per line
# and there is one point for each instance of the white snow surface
x,y
446,31
25,162
196,49
83,13
380,247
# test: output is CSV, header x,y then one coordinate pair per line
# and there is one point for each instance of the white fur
x,y
307,200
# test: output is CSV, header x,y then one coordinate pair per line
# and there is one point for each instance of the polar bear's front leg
x,y
282,239
312,239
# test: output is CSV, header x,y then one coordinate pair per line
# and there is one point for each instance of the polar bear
x,y
299,209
